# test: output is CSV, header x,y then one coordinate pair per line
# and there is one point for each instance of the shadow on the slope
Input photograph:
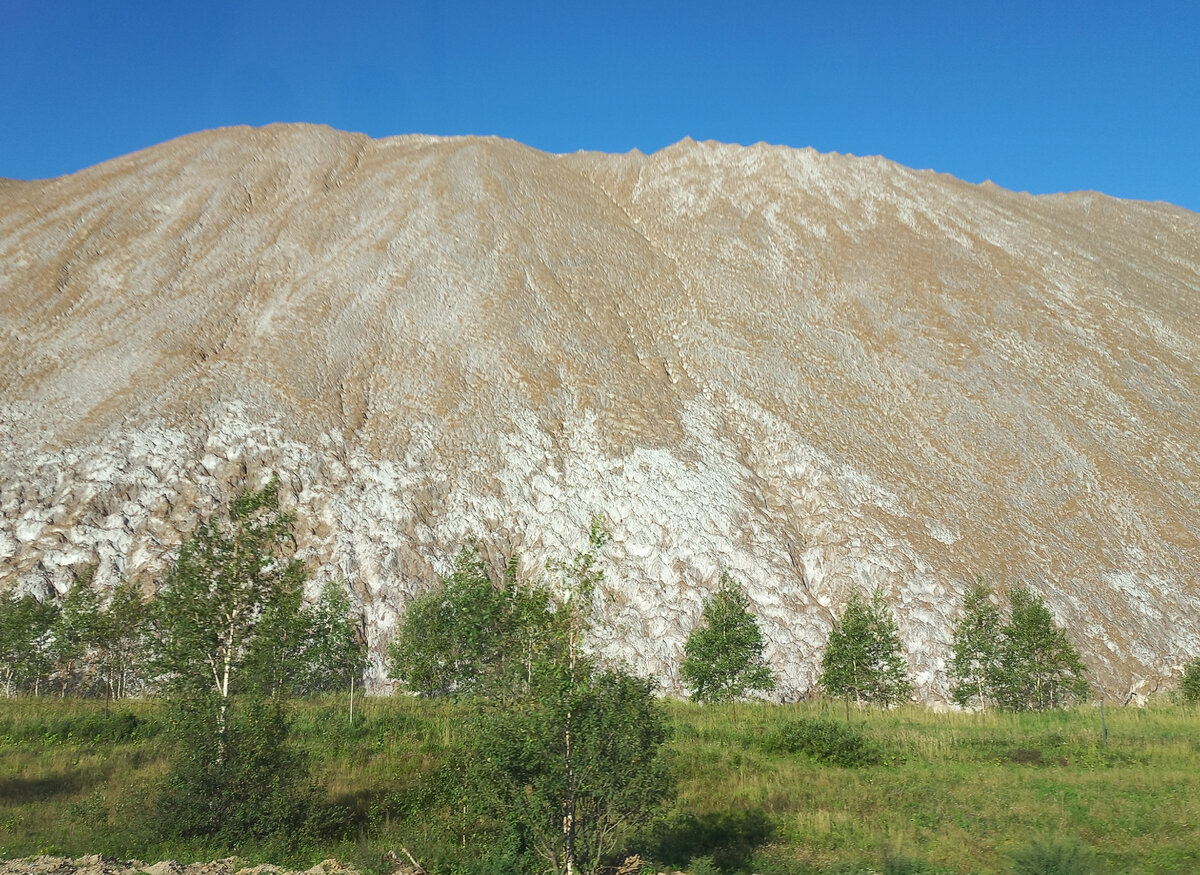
x,y
729,838
19,790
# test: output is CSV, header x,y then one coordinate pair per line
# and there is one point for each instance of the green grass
x,y
953,792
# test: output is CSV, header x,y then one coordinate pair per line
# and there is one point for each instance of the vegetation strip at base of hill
x,y
952,792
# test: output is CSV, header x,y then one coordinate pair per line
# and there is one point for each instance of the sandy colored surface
x,y
821,372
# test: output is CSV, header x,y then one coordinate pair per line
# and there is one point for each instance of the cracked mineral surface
x,y
821,372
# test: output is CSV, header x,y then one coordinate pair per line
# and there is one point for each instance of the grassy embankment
x,y
955,793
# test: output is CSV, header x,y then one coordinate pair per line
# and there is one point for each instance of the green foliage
x,y
572,768
565,755
704,865
863,659
335,652
723,657
1055,857
274,663
74,634
231,628
239,781
1189,685
975,656
469,635
25,638
1038,666
122,639
225,578
826,741
1025,664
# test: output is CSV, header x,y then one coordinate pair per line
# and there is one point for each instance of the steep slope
x,y
818,371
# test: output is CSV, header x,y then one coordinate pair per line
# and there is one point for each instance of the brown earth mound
x,y
823,373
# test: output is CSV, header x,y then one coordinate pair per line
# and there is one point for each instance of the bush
x,y
247,784
1054,857
585,752
826,742
1189,687
703,866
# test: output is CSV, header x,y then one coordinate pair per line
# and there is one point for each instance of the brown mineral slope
x,y
823,373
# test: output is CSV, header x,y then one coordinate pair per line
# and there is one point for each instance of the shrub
x,y
1054,857
703,866
249,784
1189,687
825,741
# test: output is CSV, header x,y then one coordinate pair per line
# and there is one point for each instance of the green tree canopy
x,y
863,659
723,656
226,577
232,591
471,635
571,760
1039,667
25,637
573,768
76,634
122,640
335,654
1189,685
975,656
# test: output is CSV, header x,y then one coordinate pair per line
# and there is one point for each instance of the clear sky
x,y
1037,96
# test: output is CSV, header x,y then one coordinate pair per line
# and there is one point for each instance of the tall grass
x,y
952,792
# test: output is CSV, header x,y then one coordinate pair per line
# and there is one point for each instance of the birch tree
x,y
576,760
25,637
1039,666
122,641
976,651
863,660
723,656
233,772
224,578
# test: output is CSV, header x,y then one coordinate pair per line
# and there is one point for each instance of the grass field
x,y
951,792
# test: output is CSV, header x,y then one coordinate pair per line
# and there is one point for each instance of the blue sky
x,y
1047,96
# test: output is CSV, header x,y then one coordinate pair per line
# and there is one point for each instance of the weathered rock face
x,y
823,373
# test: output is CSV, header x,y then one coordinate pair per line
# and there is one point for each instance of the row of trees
x,y
1013,657
228,602
76,646
1022,662
227,639
232,600
565,750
